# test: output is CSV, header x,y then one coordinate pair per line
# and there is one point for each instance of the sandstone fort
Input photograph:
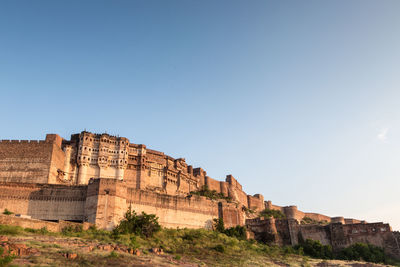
x,y
95,178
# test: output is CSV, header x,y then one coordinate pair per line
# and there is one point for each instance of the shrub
x,y
219,225
315,249
113,254
238,231
71,229
7,212
10,230
5,260
192,235
366,252
211,194
266,237
219,248
308,220
277,214
143,224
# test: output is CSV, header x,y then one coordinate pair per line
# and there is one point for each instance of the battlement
x,y
199,172
54,138
50,138
151,151
34,142
232,181
96,177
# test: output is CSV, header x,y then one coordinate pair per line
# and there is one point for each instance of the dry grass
x,y
184,247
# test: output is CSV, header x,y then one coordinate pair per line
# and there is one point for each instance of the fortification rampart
x,y
292,212
96,177
39,224
44,201
338,235
32,161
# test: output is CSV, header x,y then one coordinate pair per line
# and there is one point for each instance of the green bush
x,y
5,260
315,249
10,229
143,224
219,248
113,254
308,220
239,232
211,194
191,236
7,212
219,225
365,252
71,230
358,251
277,214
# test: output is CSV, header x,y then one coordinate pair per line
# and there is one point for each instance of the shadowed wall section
x,y
43,201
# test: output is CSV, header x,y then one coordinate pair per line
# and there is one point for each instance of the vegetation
x,y
5,260
211,194
358,252
365,252
143,224
221,247
247,210
69,230
238,231
10,230
277,214
315,249
7,212
308,220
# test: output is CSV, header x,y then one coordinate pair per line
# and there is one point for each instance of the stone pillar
x,y
82,174
120,173
67,162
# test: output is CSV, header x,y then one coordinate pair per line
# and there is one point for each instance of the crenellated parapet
x,y
96,177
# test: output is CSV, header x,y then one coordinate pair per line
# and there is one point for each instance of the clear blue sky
x,y
299,100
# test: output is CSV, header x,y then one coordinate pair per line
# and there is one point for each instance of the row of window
x,y
103,150
170,181
102,160
355,231
102,140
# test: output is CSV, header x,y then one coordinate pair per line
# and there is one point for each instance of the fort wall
x,y
256,202
213,184
106,202
235,191
25,161
174,211
39,224
338,235
95,178
44,201
318,217
292,212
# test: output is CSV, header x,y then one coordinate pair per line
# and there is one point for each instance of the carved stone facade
x,y
88,155
95,178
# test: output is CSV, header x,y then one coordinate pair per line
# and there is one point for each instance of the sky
x,y
298,100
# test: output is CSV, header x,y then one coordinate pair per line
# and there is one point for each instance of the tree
x,y
143,224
